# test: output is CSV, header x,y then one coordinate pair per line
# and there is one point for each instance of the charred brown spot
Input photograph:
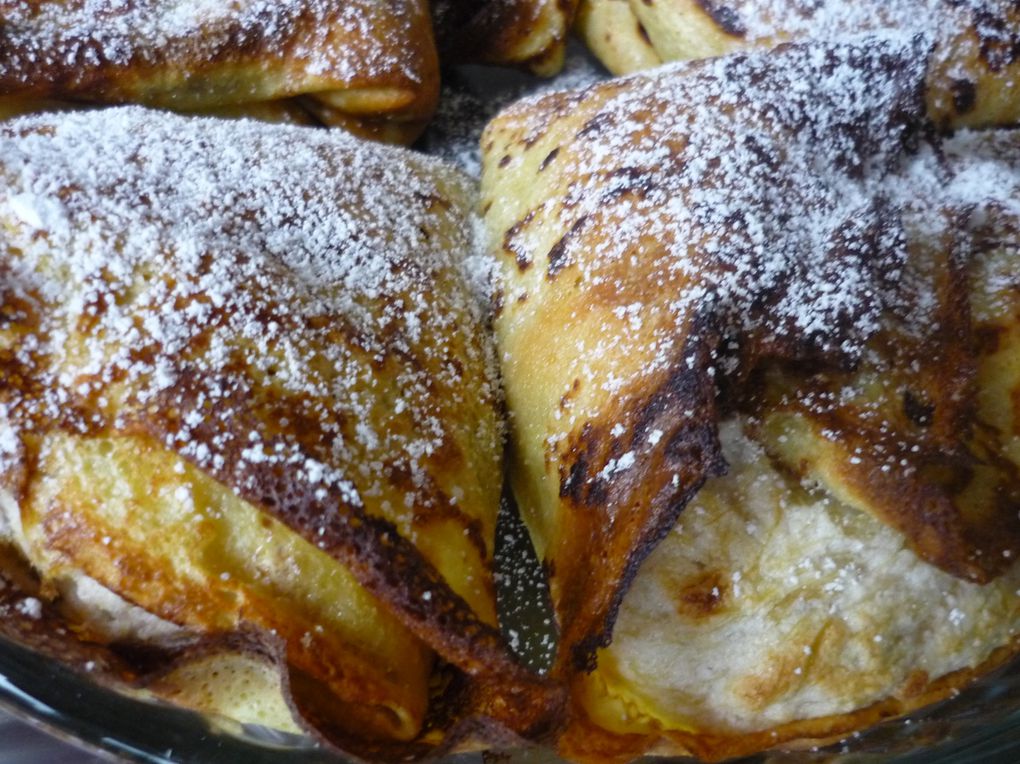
x,y
558,253
596,125
643,34
549,158
964,95
582,461
635,181
988,339
918,411
505,160
701,596
510,241
566,400
998,40
724,16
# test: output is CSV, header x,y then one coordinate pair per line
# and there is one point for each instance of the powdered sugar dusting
x,y
748,188
820,18
247,287
338,42
993,36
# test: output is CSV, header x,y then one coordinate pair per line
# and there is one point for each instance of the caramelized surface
x,y
260,335
657,234
364,60
970,79
764,239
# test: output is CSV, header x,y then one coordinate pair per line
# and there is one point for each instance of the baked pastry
x,y
359,63
530,33
737,273
971,77
246,391
632,217
787,608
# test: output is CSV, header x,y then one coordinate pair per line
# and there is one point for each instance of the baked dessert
x,y
765,401
369,66
247,399
529,33
971,76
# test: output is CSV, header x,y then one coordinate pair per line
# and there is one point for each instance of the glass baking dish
x,y
982,723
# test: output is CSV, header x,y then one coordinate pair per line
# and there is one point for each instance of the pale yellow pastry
x,y
246,390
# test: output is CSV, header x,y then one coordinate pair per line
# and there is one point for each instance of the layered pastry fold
x,y
971,75
247,398
368,65
754,334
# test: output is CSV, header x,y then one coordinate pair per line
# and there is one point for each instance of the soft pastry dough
x,y
972,76
772,614
779,608
531,33
747,240
246,389
360,63
659,221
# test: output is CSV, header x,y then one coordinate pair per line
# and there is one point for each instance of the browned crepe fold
x,y
359,63
623,219
246,395
734,245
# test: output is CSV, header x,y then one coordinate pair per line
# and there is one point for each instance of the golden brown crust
x,y
909,447
365,60
577,216
397,481
969,80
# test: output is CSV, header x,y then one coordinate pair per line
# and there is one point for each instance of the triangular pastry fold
x,y
657,236
757,343
246,387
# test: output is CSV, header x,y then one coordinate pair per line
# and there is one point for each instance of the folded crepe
x,y
726,241
971,76
781,608
246,391
362,65
530,33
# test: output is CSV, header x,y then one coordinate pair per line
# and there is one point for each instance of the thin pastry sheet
x,y
366,60
245,381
